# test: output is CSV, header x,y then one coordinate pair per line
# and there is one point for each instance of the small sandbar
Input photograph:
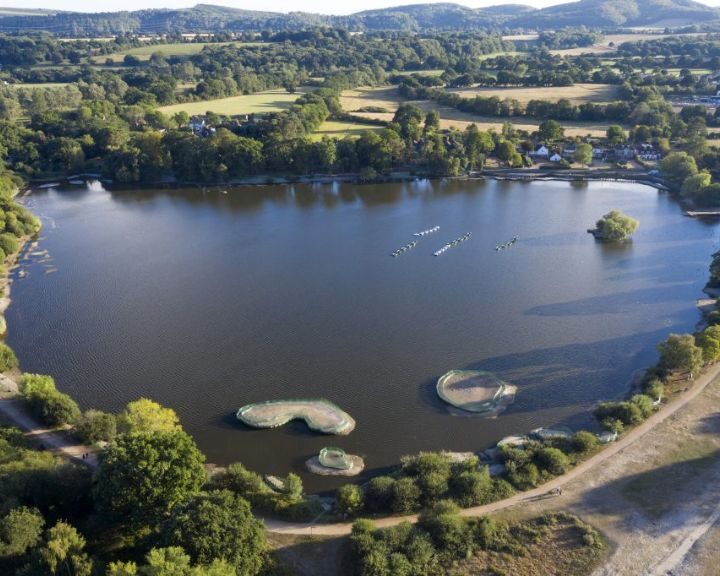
x,y
335,462
476,391
319,414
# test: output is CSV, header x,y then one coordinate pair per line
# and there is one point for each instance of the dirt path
x,y
536,495
58,440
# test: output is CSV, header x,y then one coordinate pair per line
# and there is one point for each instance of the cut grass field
x,y
259,103
577,94
610,43
173,49
334,129
389,99
46,85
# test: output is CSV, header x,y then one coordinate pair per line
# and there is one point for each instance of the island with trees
x,y
614,227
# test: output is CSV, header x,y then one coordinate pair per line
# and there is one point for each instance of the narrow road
x,y
57,440
675,404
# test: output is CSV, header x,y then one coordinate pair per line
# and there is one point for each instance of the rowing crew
x,y
426,232
507,244
453,244
404,249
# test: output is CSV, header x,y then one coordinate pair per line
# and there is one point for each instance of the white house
x,y
541,151
555,157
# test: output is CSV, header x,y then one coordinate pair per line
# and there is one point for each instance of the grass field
x,y
260,103
604,45
334,129
47,85
577,94
176,49
388,98
435,72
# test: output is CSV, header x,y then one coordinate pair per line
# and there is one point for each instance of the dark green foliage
x,y
96,426
20,530
349,500
218,525
8,360
143,476
52,407
679,352
583,441
290,504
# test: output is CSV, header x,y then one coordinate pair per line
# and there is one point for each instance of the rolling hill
x,y
416,17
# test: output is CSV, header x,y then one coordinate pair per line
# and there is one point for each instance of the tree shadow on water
x,y
564,376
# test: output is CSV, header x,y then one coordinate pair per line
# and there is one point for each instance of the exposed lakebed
x,y
209,299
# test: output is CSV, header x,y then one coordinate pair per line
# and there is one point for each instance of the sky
x,y
321,6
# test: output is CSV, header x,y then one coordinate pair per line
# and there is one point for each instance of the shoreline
x,y
500,174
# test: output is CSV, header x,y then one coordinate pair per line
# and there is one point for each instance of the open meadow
x,y
173,49
388,98
577,94
259,103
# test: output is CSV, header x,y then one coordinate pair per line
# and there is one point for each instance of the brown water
x,y
206,301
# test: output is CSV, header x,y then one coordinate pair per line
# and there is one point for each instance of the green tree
x,y
63,553
172,561
349,500
181,119
615,135
676,167
584,154
8,360
679,352
20,530
218,525
709,341
143,476
96,426
145,415
551,130
432,120
406,496
615,226
694,186
553,460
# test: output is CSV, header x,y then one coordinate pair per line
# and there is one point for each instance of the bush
x,y
36,383
471,487
8,243
349,500
553,460
379,494
583,441
8,360
679,352
406,496
644,403
626,412
654,388
54,409
96,426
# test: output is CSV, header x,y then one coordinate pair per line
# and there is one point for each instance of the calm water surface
x,y
206,301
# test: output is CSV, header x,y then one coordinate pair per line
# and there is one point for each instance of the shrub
x,y
709,342
471,487
8,243
679,352
626,412
36,383
8,360
583,441
54,409
553,460
379,494
349,500
96,426
405,496
653,388
644,403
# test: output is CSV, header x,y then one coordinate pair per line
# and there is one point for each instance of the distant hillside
x,y
443,16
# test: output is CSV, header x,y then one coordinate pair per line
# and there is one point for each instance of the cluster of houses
x,y
201,125
621,153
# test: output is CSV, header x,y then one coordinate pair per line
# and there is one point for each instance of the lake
x,y
209,299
